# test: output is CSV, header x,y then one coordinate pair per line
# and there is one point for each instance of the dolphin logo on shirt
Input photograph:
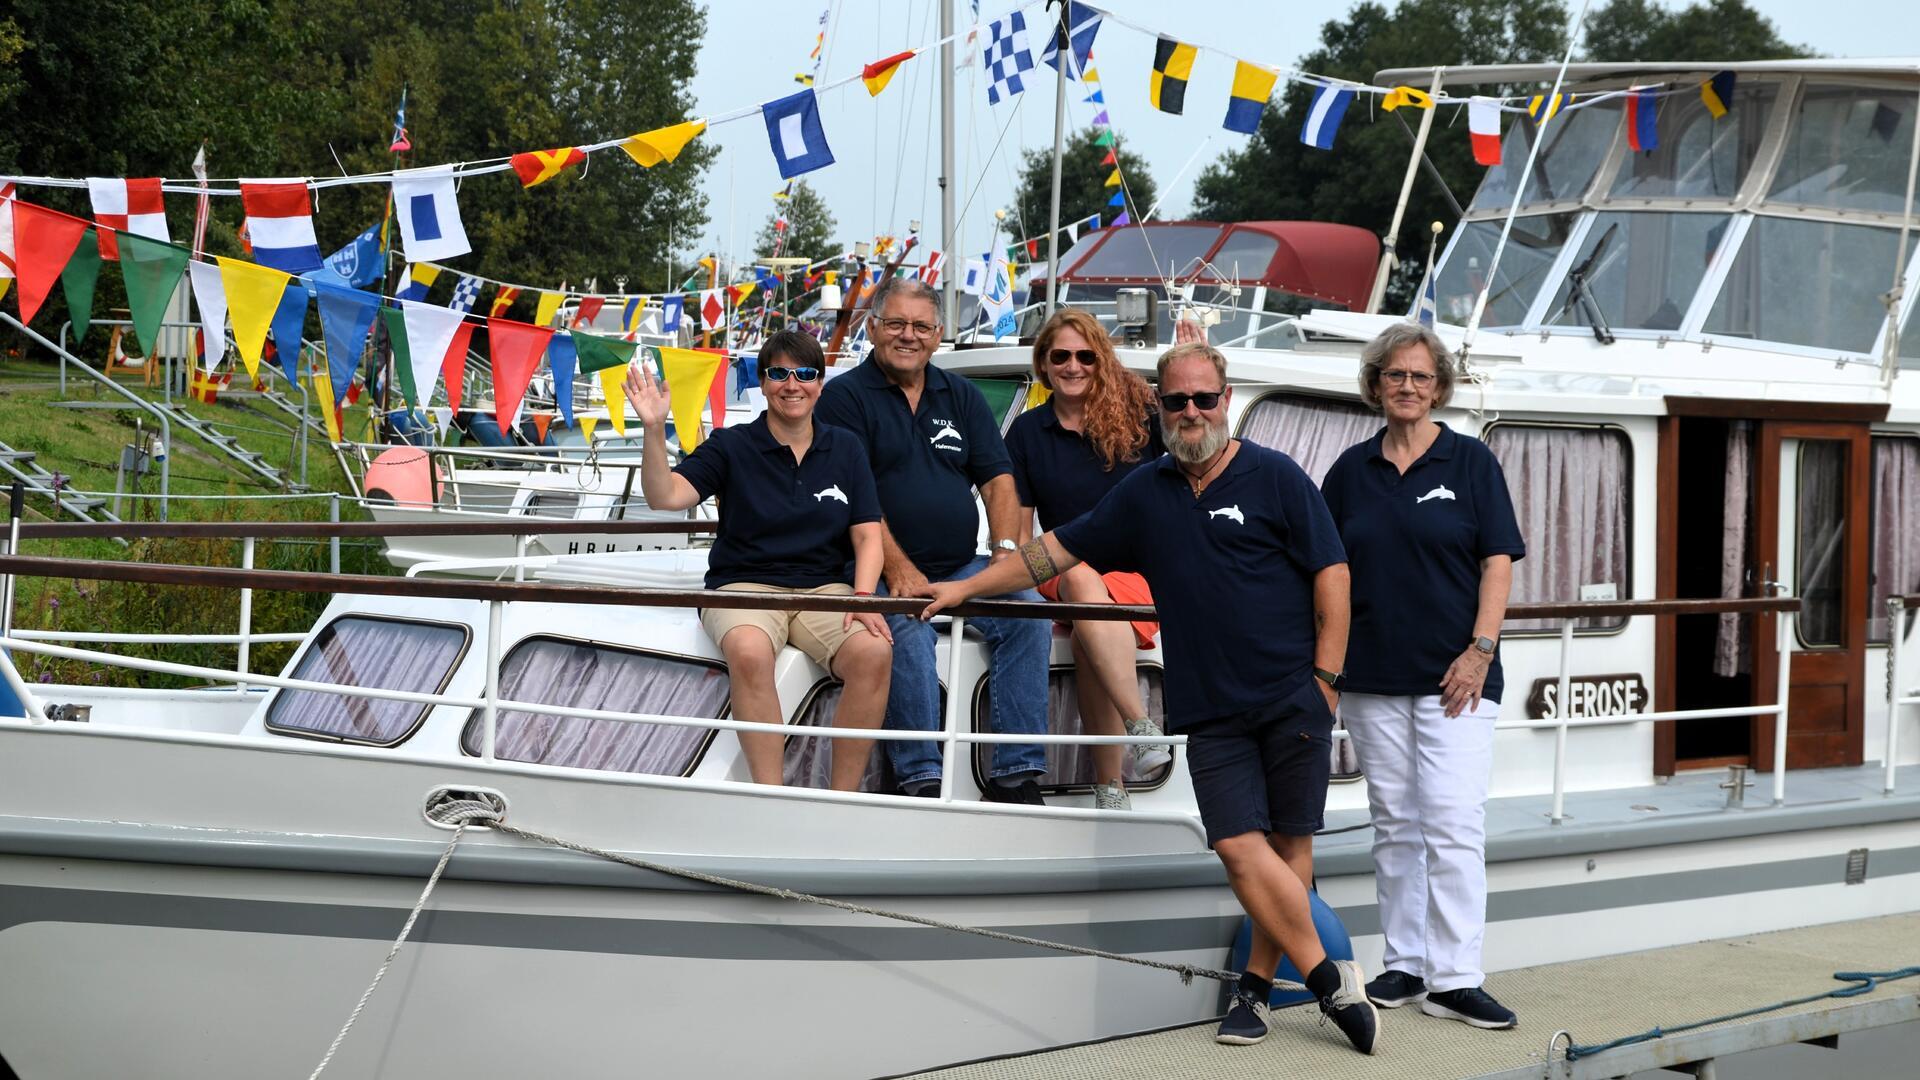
x,y
948,433
1440,492
833,492
1229,512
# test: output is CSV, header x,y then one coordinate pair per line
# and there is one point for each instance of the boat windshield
x,y
1641,269
1698,156
1810,283
1530,254
1848,149
1576,146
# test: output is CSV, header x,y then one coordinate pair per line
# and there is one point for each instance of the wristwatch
x,y
1005,545
1484,644
1337,680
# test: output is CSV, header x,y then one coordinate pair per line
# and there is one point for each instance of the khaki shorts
x,y
819,634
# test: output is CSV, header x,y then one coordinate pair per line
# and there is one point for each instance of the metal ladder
x,y
230,446
22,466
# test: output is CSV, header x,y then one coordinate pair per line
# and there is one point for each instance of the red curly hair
x,y
1119,400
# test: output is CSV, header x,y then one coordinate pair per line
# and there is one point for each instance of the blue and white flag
x,y
672,309
416,280
430,228
793,128
973,280
1006,56
1083,22
1323,118
1426,305
465,292
358,264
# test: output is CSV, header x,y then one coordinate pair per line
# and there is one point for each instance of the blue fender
x,y
1333,938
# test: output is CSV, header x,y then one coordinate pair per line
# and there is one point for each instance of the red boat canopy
x,y
1332,264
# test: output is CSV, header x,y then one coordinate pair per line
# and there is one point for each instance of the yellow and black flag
x,y
1172,67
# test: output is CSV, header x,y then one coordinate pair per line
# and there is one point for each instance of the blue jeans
x,y
1020,651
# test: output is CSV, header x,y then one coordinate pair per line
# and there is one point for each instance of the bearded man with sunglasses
x,y
1250,583
933,441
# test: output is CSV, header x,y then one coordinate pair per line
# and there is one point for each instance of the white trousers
x,y
1427,778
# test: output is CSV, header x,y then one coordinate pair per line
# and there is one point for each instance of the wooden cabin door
x,y
1810,506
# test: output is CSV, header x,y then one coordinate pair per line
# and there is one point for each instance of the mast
x,y
1064,51
948,295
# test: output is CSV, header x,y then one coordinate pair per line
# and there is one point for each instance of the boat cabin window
x,y
1070,768
1847,149
1641,269
1531,251
1820,531
1570,488
1313,431
1152,253
372,652
553,504
809,762
1577,144
1699,157
1894,558
593,675
1809,283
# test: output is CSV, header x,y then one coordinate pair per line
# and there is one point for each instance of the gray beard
x,y
1197,453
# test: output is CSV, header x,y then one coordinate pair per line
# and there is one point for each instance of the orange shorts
x,y
1125,589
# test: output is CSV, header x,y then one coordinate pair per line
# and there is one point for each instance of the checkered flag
x,y
464,294
1006,56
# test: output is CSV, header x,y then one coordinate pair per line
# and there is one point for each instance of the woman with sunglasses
x,y
1098,425
1430,535
798,514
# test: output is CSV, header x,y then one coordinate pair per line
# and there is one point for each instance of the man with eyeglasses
x,y
1250,583
933,441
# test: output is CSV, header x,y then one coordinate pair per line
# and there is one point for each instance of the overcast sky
x,y
887,149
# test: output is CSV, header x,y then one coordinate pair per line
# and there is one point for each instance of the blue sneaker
x,y
1246,1021
1472,1005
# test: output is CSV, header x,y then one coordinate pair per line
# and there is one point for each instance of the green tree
x,y
810,226
1083,190
1641,30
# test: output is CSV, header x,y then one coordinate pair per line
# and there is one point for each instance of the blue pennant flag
x,y
1117,200
746,373
345,317
793,128
289,323
671,308
1323,118
358,264
563,357
1098,97
1083,23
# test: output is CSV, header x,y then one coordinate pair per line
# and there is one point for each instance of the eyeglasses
x,y
901,326
1174,403
1086,357
779,374
1421,379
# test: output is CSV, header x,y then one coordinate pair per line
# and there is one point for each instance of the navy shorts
x,y
1265,769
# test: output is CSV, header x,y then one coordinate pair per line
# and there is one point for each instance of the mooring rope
x,y
460,813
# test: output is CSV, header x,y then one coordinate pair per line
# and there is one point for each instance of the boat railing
x,y
1900,631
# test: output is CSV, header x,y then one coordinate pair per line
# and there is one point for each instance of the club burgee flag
x,y
82,273
539,166
346,315
689,374
453,369
253,295
650,148
516,348
793,130
152,272
431,330
1717,93
1252,85
1324,116
43,241
289,326
429,215
130,205
1483,126
1172,67
879,73
562,357
280,224
210,296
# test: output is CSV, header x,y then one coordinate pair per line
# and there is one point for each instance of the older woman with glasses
x,y
1098,425
798,514
1430,535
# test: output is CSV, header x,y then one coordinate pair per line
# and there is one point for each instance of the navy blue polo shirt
x,y
925,463
1415,541
1231,573
782,522
1059,472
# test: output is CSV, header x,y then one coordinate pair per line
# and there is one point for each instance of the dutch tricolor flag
x,y
280,224
793,127
128,205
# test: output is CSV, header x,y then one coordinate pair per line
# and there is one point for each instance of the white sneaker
x,y
1111,797
1146,756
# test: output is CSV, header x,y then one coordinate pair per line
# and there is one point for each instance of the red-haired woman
x,y
1100,424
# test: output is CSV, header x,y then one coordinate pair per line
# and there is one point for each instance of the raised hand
x,y
1188,330
648,394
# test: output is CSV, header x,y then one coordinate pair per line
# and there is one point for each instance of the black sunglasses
x,y
779,374
1087,357
1174,403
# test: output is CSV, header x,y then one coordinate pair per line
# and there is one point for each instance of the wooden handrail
x,y
1907,601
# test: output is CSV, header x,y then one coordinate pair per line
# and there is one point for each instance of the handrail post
x,y
1785,635
246,616
333,542
520,557
490,713
1560,733
1895,677
950,749
64,327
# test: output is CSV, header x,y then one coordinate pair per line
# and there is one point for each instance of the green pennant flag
x,y
152,271
396,324
77,281
599,353
1105,138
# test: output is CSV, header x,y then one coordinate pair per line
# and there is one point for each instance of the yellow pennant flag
x,y
650,148
610,384
1114,180
549,306
253,295
1090,75
323,396
587,424
689,374
4,283
742,291
1406,95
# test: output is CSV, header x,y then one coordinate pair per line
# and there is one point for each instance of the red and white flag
x,y
1483,124
6,234
128,205
930,273
712,309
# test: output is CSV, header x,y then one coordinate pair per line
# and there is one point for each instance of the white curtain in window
x,y
1569,488
383,653
1730,644
594,677
1896,527
1314,432
809,762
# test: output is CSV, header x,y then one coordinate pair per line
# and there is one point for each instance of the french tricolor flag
x,y
280,224
128,205
1483,124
